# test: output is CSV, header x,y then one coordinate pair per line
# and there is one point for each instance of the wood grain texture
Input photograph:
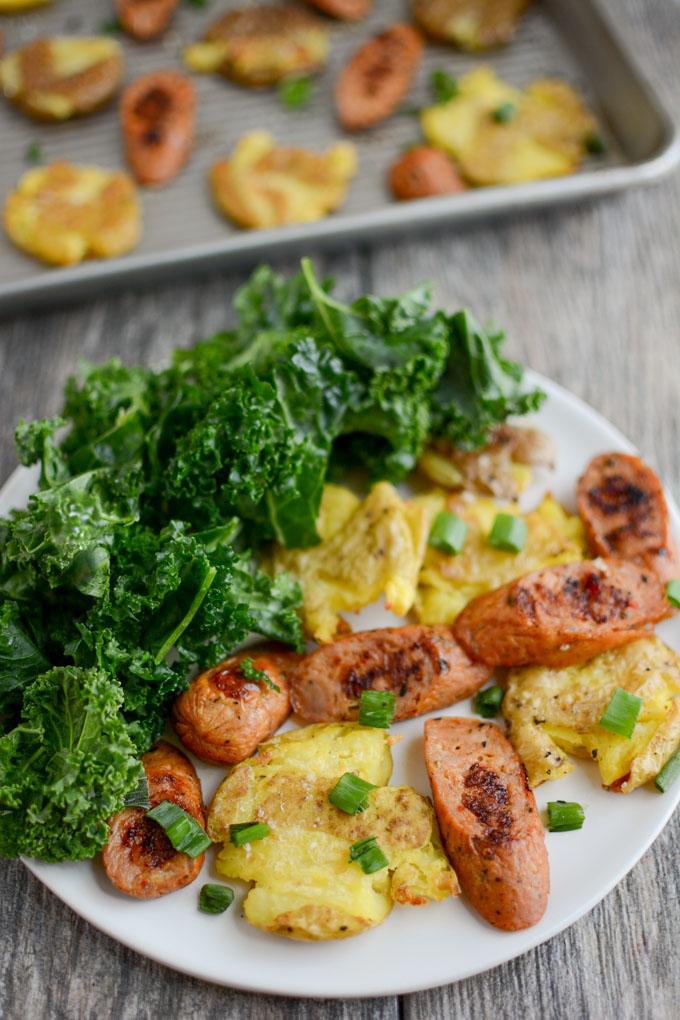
x,y
591,297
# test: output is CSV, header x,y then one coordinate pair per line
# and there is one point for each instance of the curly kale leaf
x,y
35,443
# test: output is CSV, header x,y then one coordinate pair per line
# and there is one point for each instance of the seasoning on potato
x,y
19,6
346,10
145,19
262,185
260,46
378,77
64,213
60,77
470,24
498,134
422,172
158,115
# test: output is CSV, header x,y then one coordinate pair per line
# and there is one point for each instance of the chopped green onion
x,y
669,773
350,793
447,534
250,672
368,855
564,816
247,832
111,26
444,86
198,3
621,713
376,708
34,153
139,796
214,899
594,144
183,831
673,593
508,533
488,701
504,113
296,93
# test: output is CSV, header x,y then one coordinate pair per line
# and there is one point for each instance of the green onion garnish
x,y
488,701
183,831
111,26
564,816
250,672
139,796
34,153
368,855
214,899
376,708
350,793
296,93
594,144
444,86
447,534
669,773
247,832
621,713
673,593
508,533
505,113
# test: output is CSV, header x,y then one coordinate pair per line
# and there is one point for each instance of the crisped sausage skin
x,y
378,77
145,19
158,113
562,615
490,825
423,666
223,716
423,172
346,10
139,859
623,507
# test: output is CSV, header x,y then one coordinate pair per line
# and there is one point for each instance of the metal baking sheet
x,y
184,233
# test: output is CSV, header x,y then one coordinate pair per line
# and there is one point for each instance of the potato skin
x,y
138,858
561,615
423,172
486,23
158,115
490,825
145,19
223,717
621,502
378,77
423,666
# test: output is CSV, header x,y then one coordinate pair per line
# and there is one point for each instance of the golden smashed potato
x,y
470,24
64,213
261,185
553,711
18,6
447,583
368,548
305,886
61,77
501,135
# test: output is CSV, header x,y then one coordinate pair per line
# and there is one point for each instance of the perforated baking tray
x,y
184,233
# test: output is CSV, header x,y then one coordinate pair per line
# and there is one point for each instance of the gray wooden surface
x,y
591,297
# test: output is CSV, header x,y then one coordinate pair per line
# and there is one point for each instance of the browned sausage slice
x,y
139,859
562,615
223,716
423,666
378,77
489,821
422,172
157,113
622,504
145,19
347,10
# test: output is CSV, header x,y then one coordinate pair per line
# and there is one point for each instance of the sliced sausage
x,y
347,10
223,716
145,19
139,859
422,172
562,615
622,504
423,666
158,114
378,77
490,825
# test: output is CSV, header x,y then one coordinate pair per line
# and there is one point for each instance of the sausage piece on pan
x,y
378,77
145,19
622,504
562,615
423,666
490,825
224,715
139,859
158,113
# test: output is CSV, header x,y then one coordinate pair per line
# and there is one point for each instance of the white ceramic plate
x,y
415,948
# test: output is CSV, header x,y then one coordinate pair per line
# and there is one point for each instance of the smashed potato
x,y
261,45
63,213
553,711
305,886
470,24
63,76
368,548
447,583
18,6
261,185
502,135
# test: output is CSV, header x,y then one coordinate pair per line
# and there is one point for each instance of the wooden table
x,y
591,297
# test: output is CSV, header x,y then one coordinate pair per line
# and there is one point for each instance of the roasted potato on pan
x,y
145,19
57,78
63,213
470,24
305,886
19,6
553,713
